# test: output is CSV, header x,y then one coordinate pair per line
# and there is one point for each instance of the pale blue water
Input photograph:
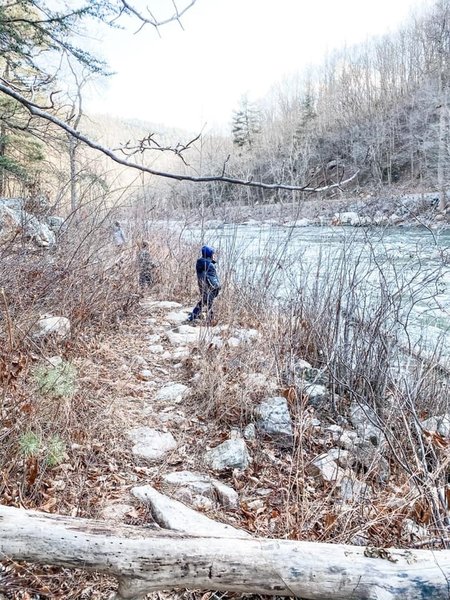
x,y
412,263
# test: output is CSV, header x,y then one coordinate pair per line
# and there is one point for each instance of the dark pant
x,y
206,300
145,279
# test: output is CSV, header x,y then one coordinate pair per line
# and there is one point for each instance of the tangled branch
x,y
38,112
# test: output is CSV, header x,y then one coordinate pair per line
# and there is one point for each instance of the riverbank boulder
x,y
16,222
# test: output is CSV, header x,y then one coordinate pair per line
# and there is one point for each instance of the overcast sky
x,y
195,77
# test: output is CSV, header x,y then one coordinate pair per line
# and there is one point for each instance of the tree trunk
x,y
147,560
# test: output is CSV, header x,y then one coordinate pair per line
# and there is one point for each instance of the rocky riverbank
x,y
400,210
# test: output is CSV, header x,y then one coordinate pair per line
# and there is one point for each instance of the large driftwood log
x,y
145,560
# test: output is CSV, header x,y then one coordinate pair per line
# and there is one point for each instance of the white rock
x,y
177,316
441,424
328,468
55,361
151,444
173,392
184,334
154,338
145,375
174,515
48,325
116,511
156,349
233,342
163,304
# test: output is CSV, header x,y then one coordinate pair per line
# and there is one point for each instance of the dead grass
x,y
280,495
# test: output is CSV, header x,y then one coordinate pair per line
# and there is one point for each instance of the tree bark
x,y
146,560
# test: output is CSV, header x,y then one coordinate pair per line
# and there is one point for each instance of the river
x,y
407,267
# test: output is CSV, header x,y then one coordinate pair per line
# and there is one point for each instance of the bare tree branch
x,y
150,143
38,112
151,20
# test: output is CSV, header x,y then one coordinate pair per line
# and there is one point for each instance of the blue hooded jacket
x,y
206,270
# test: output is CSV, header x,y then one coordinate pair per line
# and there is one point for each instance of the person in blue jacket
x,y
208,283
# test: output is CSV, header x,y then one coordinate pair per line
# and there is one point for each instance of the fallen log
x,y
145,560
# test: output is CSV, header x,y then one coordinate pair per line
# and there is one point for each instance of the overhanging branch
x,y
39,112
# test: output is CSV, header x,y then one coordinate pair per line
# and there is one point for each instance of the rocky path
x,y
163,433
188,466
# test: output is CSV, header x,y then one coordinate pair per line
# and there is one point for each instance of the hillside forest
x,y
377,110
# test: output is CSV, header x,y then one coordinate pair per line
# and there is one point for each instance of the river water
x,y
406,267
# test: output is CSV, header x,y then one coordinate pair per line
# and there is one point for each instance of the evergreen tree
x,y
246,125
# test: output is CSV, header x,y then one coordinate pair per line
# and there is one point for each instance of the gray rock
x,y
151,444
55,223
173,392
367,457
14,219
174,515
275,420
353,490
365,420
441,424
232,454
313,391
250,432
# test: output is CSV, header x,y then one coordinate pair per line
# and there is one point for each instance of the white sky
x,y
195,77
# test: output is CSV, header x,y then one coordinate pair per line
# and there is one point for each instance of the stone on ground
x,y
174,515
232,454
173,392
204,485
151,444
275,421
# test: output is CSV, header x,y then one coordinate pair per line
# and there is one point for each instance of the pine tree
x,y
246,124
